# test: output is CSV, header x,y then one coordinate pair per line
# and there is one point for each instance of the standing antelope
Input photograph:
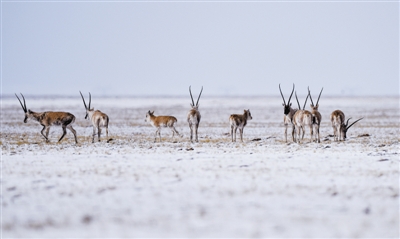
x,y
161,121
316,116
338,125
98,118
49,118
288,114
194,116
239,121
301,119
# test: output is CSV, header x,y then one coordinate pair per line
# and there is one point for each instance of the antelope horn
x,y
309,93
190,91
197,103
295,94
22,105
282,94
90,99
319,95
354,123
291,95
305,102
83,99
347,122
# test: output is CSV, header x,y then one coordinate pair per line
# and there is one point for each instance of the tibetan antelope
x,y
316,116
302,119
161,122
194,116
49,118
339,127
239,121
98,118
288,114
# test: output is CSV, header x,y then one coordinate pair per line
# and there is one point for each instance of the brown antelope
x,y
194,116
339,127
288,114
161,122
49,118
98,118
302,119
239,121
316,116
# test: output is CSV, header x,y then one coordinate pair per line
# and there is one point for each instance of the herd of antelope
x,y
296,119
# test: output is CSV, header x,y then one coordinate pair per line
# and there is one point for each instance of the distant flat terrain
x,y
263,187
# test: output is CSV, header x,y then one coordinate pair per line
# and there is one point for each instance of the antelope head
x,y
314,107
149,115
87,107
195,106
345,127
286,107
28,113
248,114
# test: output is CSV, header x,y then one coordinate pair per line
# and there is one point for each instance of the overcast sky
x,y
230,48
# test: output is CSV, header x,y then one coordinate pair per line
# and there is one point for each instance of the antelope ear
x,y
290,104
152,112
311,105
283,104
29,111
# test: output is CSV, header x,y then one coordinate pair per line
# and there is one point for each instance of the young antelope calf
x,y
98,118
239,121
161,122
339,127
49,118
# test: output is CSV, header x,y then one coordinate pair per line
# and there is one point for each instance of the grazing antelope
x,y
49,118
339,127
301,119
194,116
98,118
316,116
161,122
288,114
239,121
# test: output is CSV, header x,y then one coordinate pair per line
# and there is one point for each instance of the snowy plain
x,y
263,187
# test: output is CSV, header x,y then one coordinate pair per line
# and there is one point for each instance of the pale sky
x,y
231,48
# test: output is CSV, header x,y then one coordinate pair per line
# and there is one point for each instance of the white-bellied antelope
x,y
49,118
194,116
161,122
239,121
98,118
316,116
302,119
288,114
339,127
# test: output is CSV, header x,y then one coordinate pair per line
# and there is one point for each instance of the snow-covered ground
x,y
133,187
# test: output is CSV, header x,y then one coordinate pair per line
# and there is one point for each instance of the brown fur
x,y
239,121
338,125
301,120
161,122
49,118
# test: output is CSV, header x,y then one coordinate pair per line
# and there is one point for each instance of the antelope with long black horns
x,y
98,118
49,118
316,116
302,119
288,114
194,116
339,127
